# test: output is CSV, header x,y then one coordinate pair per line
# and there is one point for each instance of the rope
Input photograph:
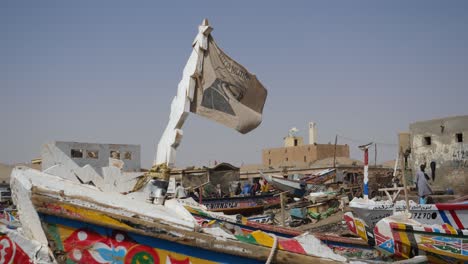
x,y
273,249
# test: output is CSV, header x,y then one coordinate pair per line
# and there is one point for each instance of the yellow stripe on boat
x,y
451,229
360,229
92,215
264,239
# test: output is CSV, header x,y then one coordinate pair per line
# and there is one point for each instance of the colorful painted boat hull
x,y
242,205
82,242
454,214
11,252
406,238
347,247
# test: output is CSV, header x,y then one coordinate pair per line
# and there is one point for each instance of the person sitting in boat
x,y
238,189
180,191
264,186
422,185
255,188
219,192
246,189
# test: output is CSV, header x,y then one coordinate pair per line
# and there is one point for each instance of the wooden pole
x,y
404,184
200,195
334,152
283,216
375,155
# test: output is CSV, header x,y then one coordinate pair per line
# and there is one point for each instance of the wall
x,y
450,156
301,155
129,154
403,141
293,141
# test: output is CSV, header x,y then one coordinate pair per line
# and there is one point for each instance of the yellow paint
x,y
426,240
451,229
264,239
312,209
92,215
164,255
360,229
443,253
404,239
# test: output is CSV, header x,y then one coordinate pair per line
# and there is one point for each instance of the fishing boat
x,y
454,214
343,246
300,187
405,238
85,225
295,188
367,212
244,205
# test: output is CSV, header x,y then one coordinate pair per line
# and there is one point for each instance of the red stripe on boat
x,y
292,245
457,220
444,226
452,206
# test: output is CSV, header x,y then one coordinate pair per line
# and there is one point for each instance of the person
x,y
264,187
254,189
238,189
180,191
219,193
422,184
246,189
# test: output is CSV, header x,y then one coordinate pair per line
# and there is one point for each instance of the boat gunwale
x,y
190,238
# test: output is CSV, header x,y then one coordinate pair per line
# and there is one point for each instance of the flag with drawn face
x,y
227,93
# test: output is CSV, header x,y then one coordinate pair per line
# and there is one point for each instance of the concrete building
x,y
442,143
295,153
109,167
93,154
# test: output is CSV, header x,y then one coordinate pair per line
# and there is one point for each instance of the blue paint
x,y
151,241
388,246
112,255
366,188
444,217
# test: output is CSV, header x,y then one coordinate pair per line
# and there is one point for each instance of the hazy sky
x,y
106,71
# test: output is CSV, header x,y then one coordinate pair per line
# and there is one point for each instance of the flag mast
x,y
180,106
365,148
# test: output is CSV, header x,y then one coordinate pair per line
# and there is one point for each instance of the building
x,y
93,154
295,153
441,144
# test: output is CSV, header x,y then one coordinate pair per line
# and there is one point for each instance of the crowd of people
x,y
246,188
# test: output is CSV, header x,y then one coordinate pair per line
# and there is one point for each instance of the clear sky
x,y
106,71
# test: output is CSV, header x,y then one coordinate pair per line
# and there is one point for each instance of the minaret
x,y
312,133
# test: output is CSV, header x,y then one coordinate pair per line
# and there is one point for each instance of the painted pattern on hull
x,y
84,245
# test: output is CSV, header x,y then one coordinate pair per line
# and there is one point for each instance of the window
x,y
128,155
269,161
295,142
92,154
76,153
115,154
305,159
427,141
459,137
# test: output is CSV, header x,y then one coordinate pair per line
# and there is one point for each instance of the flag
x,y
227,93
